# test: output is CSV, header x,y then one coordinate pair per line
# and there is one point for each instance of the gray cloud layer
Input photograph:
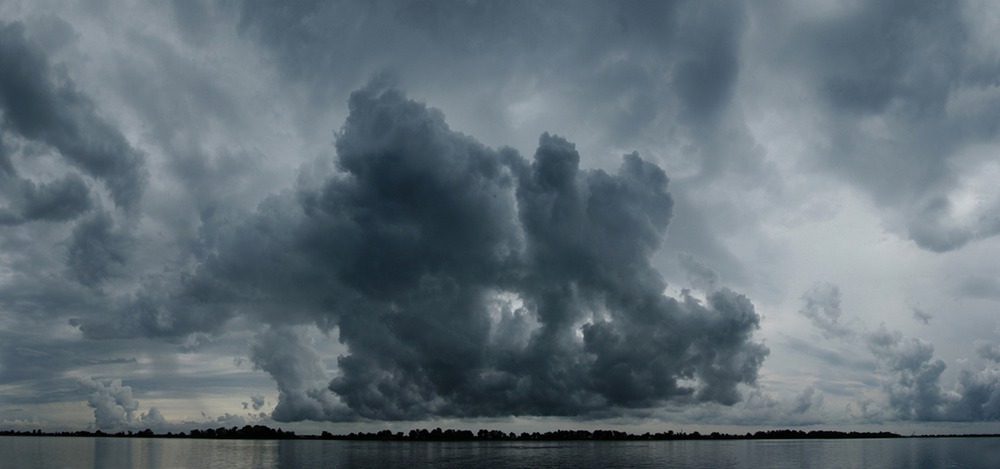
x,y
674,67
912,67
147,197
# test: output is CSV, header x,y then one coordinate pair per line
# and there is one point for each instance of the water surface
x,y
155,453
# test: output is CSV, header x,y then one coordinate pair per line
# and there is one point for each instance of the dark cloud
x,y
6,166
43,105
566,249
97,250
660,73
167,306
59,200
37,289
706,75
23,363
467,281
979,391
822,307
870,55
979,395
44,112
641,67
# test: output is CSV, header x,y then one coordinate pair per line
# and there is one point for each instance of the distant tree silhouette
x,y
437,434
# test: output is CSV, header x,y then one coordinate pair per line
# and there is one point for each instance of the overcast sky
x,y
515,215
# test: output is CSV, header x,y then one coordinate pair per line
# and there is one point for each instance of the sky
x,y
646,216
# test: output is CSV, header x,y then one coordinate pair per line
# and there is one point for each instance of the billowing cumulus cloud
x,y
487,285
912,381
289,357
909,372
467,281
978,395
112,402
913,387
152,418
117,410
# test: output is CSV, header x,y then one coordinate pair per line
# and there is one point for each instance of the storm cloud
x,y
467,281
60,200
96,250
44,113
40,105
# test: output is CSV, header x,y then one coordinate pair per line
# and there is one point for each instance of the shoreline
x,y
260,432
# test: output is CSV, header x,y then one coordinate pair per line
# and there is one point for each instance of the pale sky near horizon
x,y
515,215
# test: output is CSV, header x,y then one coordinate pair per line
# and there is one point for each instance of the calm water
x,y
52,452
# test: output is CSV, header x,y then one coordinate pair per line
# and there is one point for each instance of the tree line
x,y
437,434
